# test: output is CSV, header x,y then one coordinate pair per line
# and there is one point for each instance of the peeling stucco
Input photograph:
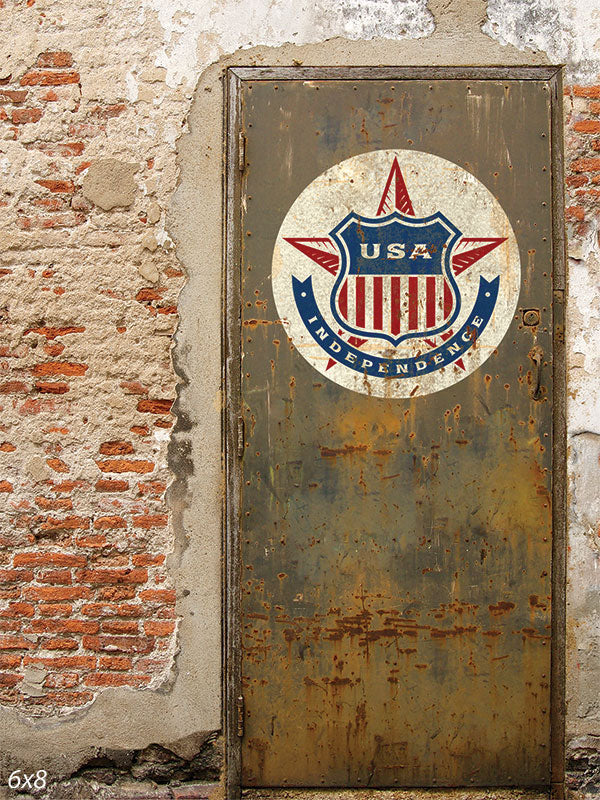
x,y
568,31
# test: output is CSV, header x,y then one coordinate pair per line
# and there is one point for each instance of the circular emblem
x,y
396,273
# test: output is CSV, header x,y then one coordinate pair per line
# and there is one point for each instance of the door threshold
x,y
396,794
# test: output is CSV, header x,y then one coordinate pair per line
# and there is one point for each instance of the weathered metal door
x,y
391,245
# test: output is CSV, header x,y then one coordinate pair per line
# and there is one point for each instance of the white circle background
x,y
434,184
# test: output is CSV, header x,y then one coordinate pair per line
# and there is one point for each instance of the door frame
x,y
232,424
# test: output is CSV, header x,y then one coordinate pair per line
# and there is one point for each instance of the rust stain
x,y
500,608
346,450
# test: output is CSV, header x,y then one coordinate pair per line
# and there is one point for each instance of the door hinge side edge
x,y
240,715
241,151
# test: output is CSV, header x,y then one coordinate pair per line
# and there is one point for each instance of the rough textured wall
x,y
89,309
93,101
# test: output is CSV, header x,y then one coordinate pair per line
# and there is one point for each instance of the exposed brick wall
x,y
582,156
86,388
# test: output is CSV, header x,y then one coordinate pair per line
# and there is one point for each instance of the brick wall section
x,y
86,388
582,157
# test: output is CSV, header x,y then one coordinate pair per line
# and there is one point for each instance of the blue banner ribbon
x,y
368,364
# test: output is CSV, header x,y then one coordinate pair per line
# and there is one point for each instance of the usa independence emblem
x,y
396,273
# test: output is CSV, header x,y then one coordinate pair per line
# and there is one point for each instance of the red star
x,y
395,197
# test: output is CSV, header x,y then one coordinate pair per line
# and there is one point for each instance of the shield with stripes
x,y
395,280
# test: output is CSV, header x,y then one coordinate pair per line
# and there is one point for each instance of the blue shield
x,y
395,280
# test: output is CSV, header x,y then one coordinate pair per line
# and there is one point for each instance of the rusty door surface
x,y
396,547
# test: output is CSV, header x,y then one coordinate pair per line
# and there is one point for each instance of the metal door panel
x,y
396,554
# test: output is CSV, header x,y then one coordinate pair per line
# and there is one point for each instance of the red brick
x,y
107,112
59,644
109,523
133,387
9,679
15,575
59,368
61,577
67,698
12,387
66,524
119,465
52,332
10,625
93,540
577,180
64,149
575,213
108,485
587,126
36,406
49,503
68,486
112,610
22,116
115,594
586,165
63,680
141,430
158,595
6,486
148,294
116,448
586,91
51,387
57,593
45,559
16,643
46,77
116,662
124,575
55,609
160,406
13,95
156,488
115,679
54,58
147,560
120,626
122,644
150,521
156,628
66,220
57,464
60,187
63,626
60,662
19,609
49,204
53,349
9,661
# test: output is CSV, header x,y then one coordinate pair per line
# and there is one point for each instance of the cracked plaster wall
x,y
149,56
